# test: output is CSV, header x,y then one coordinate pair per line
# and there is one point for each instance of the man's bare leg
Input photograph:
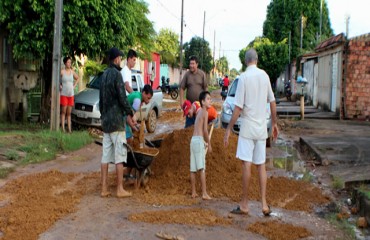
x,y
263,182
205,195
104,180
246,176
192,180
120,191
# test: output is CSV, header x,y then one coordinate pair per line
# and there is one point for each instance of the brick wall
x,y
357,100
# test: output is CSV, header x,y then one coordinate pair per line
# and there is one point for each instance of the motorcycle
x,y
288,91
172,90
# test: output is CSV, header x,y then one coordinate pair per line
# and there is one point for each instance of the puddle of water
x,y
285,157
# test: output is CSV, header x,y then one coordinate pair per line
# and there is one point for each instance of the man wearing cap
x,y
194,81
113,106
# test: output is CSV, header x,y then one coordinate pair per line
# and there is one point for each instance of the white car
x,y
228,109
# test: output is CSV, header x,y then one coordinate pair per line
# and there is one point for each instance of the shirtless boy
x,y
199,144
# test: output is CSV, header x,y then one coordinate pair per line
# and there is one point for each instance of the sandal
x,y
237,210
267,212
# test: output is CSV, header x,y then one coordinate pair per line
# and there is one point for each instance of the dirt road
x,y
60,199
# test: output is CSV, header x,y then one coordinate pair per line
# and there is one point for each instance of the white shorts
x,y
197,154
251,150
113,149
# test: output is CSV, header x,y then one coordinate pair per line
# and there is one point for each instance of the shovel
x,y
210,134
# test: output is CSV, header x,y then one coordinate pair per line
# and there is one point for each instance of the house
x,y
338,75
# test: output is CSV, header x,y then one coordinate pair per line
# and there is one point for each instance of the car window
x,y
95,82
233,87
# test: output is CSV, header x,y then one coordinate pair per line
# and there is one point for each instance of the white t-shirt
x,y
126,76
252,95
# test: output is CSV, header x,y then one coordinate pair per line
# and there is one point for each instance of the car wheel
x,y
151,122
174,94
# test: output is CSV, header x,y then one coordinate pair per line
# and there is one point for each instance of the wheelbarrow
x,y
139,160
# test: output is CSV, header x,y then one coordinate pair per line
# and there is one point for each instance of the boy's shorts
x,y
197,154
251,150
67,101
113,149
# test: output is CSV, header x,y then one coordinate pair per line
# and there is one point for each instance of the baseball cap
x,y
186,107
114,52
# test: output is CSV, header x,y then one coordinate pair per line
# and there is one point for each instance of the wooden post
x,y
302,107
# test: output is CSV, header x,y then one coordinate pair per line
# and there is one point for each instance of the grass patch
x,y
307,177
4,172
337,182
12,155
46,144
342,224
365,191
212,88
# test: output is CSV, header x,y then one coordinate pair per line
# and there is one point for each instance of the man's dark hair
x,y
66,59
131,53
148,89
202,96
193,58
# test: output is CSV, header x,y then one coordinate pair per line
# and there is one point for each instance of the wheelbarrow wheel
x,y
174,94
144,178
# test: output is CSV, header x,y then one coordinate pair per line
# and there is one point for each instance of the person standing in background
x,y
126,70
194,81
152,77
69,80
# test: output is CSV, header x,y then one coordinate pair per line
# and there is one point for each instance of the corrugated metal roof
x,y
331,42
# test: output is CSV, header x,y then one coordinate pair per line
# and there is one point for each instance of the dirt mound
x,y
276,230
223,171
193,216
36,202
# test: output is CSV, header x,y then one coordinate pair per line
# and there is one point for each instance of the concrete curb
x,y
313,150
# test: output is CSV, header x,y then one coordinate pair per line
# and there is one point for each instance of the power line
x,y
165,8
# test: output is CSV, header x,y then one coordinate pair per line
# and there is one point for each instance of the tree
x,y
167,45
90,27
222,65
233,73
284,17
272,57
199,48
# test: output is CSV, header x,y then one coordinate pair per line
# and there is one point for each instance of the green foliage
x,y
343,225
272,57
337,182
89,26
11,154
284,16
168,46
199,48
4,172
92,68
233,73
222,65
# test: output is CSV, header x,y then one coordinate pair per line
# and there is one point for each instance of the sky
x,y
231,25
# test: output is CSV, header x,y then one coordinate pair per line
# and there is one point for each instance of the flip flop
x,y
237,210
267,212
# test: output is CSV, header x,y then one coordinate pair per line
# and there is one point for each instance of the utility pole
x,y
204,24
181,37
290,33
347,25
320,19
219,52
214,49
301,32
55,101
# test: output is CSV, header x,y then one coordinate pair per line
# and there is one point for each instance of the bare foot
x,y
206,197
105,193
194,195
123,194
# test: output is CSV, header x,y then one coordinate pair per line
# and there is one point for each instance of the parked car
x,y
86,109
228,108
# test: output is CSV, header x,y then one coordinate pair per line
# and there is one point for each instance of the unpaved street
x,y
61,199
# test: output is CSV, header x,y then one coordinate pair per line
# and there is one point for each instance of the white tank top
x,y
67,85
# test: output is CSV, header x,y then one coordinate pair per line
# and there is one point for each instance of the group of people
x,y
253,91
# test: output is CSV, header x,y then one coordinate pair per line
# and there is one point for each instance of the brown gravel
x,y
36,202
275,230
193,216
223,170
